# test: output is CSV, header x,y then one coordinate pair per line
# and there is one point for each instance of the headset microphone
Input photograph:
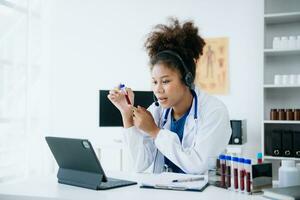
x,y
155,100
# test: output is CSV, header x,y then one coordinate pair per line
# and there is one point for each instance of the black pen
x,y
189,179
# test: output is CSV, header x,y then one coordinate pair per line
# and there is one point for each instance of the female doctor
x,y
184,127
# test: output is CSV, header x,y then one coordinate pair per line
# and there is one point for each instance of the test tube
x,y
223,169
123,89
259,158
228,171
242,174
248,175
235,173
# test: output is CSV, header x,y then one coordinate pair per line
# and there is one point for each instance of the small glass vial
x,y
281,114
228,172
289,114
259,158
273,114
223,169
242,174
248,175
235,164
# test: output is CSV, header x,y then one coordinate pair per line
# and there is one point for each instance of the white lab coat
x,y
202,138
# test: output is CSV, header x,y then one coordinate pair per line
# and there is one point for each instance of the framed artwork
x,y
212,68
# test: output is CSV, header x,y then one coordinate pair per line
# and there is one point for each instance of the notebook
x,y
166,181
284,193
79,165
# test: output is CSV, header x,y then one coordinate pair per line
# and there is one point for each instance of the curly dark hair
x,y
182,39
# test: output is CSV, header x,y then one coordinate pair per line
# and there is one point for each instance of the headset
x,y
188,77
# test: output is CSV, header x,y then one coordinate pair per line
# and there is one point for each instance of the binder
x,y
277,142
287,143
297,144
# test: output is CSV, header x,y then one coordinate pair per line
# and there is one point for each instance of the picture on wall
x,y
212,69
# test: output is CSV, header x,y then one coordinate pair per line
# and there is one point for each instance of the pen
x,y
188,179
123,89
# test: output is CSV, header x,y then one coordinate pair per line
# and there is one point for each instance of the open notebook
x,y
166,181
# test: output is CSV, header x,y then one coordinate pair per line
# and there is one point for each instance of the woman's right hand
x,y
117,97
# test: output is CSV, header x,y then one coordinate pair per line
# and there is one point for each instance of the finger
x,y
113,92
134,109
137,114
129,90
141,108
110,96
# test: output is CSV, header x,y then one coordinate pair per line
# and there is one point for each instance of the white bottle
x,y
284,42
298,42
288,174
276,43
292,43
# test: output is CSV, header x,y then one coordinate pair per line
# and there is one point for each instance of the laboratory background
x,y
59,57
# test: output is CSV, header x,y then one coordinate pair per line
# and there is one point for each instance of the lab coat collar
x,y
190,123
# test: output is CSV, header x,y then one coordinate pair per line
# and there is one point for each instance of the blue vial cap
x,y
241,160
121,86
248,161
222,157
236,159
228,157
259,155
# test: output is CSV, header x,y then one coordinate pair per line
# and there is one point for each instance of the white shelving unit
x,y
279,18
282,18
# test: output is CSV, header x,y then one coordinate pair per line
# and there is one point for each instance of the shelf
x,y
281,122
280,158
278,18
266,86
280,52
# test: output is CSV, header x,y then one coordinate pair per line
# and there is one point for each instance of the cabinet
x,y
281,19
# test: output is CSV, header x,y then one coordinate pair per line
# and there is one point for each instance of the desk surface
x,y
48,188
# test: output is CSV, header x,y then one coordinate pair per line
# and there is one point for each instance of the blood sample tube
x,y
223,169
248,175
235,173
123,89
228,172
242,174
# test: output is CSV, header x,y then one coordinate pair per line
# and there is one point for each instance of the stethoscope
x,y
195,110
165,119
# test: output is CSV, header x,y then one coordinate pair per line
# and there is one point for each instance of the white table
x,y
48,188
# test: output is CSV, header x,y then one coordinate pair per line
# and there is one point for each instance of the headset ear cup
x,y
189,79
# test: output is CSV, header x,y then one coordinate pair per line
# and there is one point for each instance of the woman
x,y
185,127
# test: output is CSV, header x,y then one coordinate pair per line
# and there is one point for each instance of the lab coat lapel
x,y
189,127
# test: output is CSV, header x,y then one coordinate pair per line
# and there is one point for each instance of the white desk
x,y
48,188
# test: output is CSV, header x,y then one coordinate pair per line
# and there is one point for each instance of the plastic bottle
x,y
259,158
242,174
223,169
228,172
248,175
235,173
288,174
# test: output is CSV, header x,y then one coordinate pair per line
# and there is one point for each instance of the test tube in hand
x,y
123,89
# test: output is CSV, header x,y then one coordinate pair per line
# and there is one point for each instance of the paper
x,y
164,181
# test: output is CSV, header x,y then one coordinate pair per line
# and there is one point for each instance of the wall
x,y
96,44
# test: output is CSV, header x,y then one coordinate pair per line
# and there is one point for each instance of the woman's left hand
x,y
143,120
